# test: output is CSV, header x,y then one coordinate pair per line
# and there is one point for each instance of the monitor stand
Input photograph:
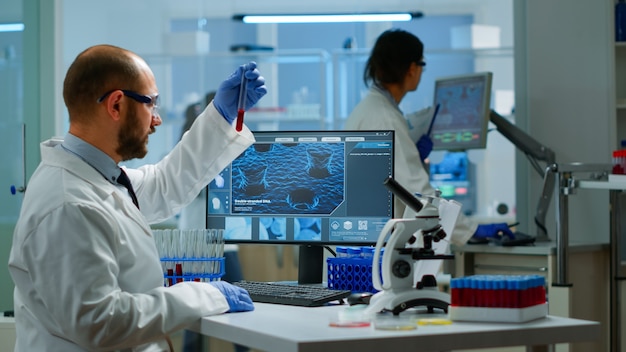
x,y
310,264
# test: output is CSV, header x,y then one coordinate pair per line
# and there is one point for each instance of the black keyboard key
x,y
293,295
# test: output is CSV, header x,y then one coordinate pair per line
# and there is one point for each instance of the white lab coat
x,y
85,266
377,112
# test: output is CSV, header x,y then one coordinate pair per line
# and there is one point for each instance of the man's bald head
x,y
95,71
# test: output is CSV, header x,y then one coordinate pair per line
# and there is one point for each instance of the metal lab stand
x,y
616,190
618,272
560,177
566,185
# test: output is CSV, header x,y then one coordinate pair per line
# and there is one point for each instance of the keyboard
x,y
521,239
291,294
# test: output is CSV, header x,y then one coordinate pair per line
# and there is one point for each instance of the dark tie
x,y
123,180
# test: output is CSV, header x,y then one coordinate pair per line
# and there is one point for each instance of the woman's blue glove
x,y
238,299
424,146
493,231
227,95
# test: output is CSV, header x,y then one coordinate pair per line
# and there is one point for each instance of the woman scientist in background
x,y
394,68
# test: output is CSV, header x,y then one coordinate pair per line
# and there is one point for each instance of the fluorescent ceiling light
x,y
329,18
11,27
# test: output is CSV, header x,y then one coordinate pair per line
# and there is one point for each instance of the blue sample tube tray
x,y
354,274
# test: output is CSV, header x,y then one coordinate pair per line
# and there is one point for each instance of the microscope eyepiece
x,y
403,194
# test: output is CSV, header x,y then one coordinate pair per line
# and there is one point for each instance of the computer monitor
x,y
463,115
310,188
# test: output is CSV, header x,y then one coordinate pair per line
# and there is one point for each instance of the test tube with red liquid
x,y
241,106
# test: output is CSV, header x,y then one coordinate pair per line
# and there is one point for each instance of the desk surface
x,y
280,328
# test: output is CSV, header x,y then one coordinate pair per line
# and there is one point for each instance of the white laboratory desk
x,y
280,328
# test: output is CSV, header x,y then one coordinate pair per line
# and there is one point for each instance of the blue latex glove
x,y
424,146
238,299
493,231
227,95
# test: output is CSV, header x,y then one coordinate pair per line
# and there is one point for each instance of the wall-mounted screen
x,y
463,115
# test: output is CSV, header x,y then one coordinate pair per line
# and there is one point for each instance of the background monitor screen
x,y
305,187
463,116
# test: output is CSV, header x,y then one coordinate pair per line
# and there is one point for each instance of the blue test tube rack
x,y
173,276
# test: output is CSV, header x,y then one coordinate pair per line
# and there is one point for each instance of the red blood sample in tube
x,y
239,125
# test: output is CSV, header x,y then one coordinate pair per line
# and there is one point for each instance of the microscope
x,y
406,241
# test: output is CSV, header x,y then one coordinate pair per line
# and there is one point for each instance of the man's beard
x,y
132,143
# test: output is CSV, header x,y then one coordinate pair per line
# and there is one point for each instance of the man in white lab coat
x,y
395,68
86,270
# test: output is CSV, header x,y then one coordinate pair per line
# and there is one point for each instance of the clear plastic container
x,y
342,252
367,252
354,252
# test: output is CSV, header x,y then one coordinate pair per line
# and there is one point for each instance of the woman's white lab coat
x,y
377,112
86,270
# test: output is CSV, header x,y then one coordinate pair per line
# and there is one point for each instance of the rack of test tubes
x,y
619,160
190,255
351,269
498,298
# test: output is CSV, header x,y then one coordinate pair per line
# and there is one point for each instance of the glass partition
x,y
12,178
11,126
12,159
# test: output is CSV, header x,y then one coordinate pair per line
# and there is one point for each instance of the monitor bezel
x,y
321,242
487,78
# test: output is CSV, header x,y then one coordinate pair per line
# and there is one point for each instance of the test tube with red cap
x,y
241,105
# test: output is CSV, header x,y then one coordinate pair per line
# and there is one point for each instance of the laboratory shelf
x,y
279,56
607,185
